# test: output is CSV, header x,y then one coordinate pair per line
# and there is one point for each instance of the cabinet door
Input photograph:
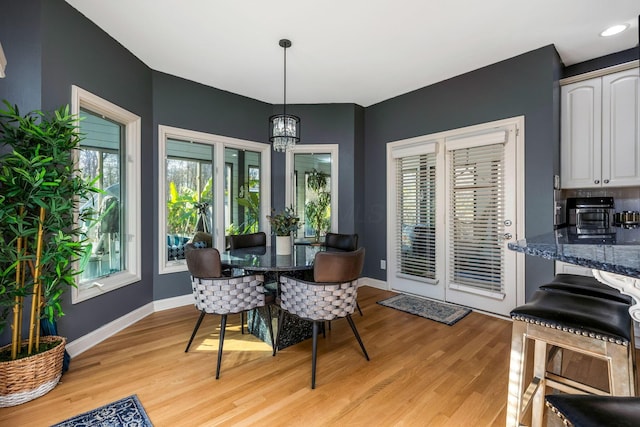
x,y
620,131
581,140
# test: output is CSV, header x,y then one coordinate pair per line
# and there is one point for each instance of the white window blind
x,y
476,215
416,209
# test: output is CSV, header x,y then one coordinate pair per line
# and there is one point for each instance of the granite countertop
x,y
618,253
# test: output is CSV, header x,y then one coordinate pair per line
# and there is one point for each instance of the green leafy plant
x,y
40,240
250,201
285,222
183,208
317,211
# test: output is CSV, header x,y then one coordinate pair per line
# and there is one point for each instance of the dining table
x,y
614,261
266,261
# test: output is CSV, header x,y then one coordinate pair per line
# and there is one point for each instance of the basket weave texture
x,y
30,377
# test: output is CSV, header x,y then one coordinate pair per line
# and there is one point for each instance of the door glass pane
x,y
101,154
416,212
313,202
189,186
242,191
476,217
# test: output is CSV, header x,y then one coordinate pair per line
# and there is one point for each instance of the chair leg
x,y
355,332
280,322
242,323
270,326
223,326
193,334
314,354
358,307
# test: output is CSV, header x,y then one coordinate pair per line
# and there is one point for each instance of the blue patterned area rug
x,y
127,412
439,311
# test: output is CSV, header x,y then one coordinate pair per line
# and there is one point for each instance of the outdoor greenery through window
x,y
189,193
241,191
312,176
209,187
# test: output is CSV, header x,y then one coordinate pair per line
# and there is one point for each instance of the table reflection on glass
x,y
263,259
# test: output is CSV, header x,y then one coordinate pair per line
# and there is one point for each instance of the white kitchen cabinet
x,y
600,124
566,268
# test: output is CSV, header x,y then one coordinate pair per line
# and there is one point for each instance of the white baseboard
x,y
374,283
174,302
93,338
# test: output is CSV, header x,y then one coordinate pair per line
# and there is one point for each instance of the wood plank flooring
x,y
421,373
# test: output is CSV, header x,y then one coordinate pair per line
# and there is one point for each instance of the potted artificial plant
x,y
317,210
282,225
40,244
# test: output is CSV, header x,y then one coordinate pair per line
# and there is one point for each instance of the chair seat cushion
x,y
581,314
585,285
596,411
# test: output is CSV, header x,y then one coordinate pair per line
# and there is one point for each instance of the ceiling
x,y
351,51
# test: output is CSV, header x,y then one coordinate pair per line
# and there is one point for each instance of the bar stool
x,y
595,411
585,285
597,327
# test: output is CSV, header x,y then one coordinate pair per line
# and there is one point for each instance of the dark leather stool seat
x,y
595,411
580,314
593,326
585,285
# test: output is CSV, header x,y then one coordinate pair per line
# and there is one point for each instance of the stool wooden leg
x,y
540,373
516,373
621,375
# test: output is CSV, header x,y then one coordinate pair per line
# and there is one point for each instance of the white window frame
x,y
331,149
219,143
131,234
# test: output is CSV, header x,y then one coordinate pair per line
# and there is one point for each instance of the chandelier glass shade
x,y
284,129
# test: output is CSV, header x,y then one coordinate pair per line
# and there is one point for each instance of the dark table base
x,y
294,329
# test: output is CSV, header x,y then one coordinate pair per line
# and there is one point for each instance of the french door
x,y
454,208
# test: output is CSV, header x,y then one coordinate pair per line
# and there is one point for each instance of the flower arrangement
x,y
285,222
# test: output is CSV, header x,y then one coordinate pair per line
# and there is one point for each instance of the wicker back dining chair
x,y
215,294
251,240
331,295
345,242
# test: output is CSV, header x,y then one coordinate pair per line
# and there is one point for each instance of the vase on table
x,y
283,245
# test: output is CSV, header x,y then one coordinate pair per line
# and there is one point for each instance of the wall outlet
x,y
383,264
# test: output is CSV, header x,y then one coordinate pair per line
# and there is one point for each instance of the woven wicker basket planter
x,y
28,378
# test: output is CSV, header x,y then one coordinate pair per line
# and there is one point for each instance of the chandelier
x,y
284,129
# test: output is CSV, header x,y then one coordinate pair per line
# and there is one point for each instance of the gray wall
x,y
74,51
523,85
20,35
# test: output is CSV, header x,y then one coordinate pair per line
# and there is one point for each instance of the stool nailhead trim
x,y
553,409
571,330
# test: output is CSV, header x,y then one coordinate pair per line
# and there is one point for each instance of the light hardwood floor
x,y
421,373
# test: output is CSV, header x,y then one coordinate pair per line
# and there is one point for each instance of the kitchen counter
x,y
619,255
615,261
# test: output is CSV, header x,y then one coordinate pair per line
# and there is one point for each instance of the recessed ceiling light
x,y
614,29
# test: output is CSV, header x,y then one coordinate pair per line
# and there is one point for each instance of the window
x,y
302,162
208,183
242,191
188,194
110,152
